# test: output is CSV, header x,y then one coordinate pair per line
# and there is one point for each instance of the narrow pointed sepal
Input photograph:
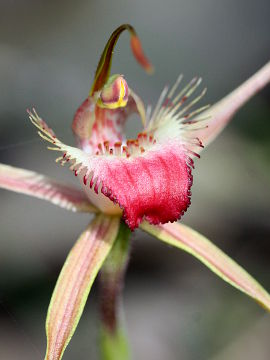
x,y
104,65
220,114
37,185
184,238
75,281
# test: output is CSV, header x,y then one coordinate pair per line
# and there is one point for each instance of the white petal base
x,y
104,204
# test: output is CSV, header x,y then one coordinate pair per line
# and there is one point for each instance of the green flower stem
x,y
114,346
113,341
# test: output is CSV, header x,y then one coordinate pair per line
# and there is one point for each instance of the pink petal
x,y
37,185
75,281
154,184
84,119
223,111
197,245
93,125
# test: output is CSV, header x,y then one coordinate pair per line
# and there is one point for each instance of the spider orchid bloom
x,y
128,183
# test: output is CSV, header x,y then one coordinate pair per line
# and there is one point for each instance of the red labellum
x,y
155,185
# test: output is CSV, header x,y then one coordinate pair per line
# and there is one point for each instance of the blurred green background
x,y
175,308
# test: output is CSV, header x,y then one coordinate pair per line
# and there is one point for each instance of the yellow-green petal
x,y
189,240
74,283
40,186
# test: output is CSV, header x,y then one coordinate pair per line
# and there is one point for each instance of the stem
x,y
113,342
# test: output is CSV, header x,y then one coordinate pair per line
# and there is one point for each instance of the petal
x,y
173,113
220,114
37,185
83,121
197,245
93,125
75,281
174,116
104,65
154,184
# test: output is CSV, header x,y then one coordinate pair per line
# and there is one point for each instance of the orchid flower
x,y
129,183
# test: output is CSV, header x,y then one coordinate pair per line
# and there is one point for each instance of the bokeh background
x,y
175,307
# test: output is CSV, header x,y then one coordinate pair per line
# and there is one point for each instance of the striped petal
x,y
93,125
198,246
37,185
220,114
105,61
75,281
102,116
147,179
